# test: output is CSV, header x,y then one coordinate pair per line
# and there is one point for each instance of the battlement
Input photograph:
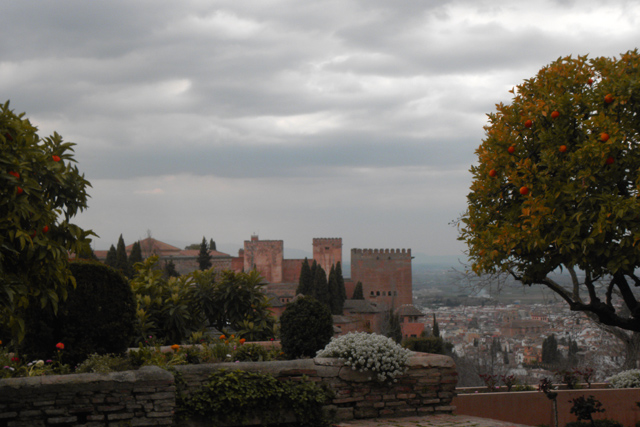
x,y
397,253
327,241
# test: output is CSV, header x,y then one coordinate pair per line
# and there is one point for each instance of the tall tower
x,y
265,256
327,252
385,275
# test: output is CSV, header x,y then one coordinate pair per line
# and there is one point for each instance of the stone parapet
x,y
147,397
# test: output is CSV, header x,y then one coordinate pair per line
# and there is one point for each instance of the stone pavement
x,y
439,420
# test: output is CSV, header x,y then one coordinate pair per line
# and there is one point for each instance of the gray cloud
x,y
353,118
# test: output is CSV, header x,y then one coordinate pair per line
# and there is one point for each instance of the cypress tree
x,y
212,245
358,292
436,328
122,262
204,258
136,254
313,291
304,282
334,293
340,284
170,269
321,286
395,330
112,257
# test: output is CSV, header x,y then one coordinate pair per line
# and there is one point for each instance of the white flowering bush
x,y
626,379
369,352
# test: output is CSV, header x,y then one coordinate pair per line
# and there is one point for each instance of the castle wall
x,y
291,270
385,275
266,256
327,252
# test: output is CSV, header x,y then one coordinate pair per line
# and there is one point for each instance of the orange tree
x,y
557,186
40,191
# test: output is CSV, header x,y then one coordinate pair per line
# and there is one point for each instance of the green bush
x,y
237,396
97,317
306,326
251,353
433,345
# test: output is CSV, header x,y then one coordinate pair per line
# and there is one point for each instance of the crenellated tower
x,y
266,256
385,275
327,252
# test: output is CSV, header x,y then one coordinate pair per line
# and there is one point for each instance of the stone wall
x,y
145,397
427,388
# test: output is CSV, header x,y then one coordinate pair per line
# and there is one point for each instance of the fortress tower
x,y
327,252
385,275
266,256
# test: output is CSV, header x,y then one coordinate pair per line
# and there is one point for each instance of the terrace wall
x,y
147,397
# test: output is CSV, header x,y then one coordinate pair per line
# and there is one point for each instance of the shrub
x,y
306,326
251,353
98,316
104,363
626,379
434,345
236,396
369,352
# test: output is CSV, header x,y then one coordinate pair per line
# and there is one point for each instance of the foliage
x,y
136,255
551,356
171,309
557,185
490,381
625,379
104,363
436,328
41,190
204,257
236,396
122,260
306,326
358,292
509,381
251,353
584,408
433,345
304,281
165,308
369,352
568,377
546,386
112,257
97,317
393,330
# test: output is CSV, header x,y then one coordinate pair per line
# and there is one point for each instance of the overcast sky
x,y
288,119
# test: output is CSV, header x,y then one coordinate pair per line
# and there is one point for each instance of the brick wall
x,y
145,397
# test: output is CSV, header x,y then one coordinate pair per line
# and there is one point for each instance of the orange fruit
x,y
55,158
524,190
604,137
493,173
555,115
608,98
610,160
590,81
511,149
562,148
528,124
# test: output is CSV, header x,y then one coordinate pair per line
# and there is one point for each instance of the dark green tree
x,y
321,287
212,245
342,291
41,190
304,282
436,328
306,326
204,257
136,254
550,354
358,292
170,269
112,257
122,261
336,303
394,330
